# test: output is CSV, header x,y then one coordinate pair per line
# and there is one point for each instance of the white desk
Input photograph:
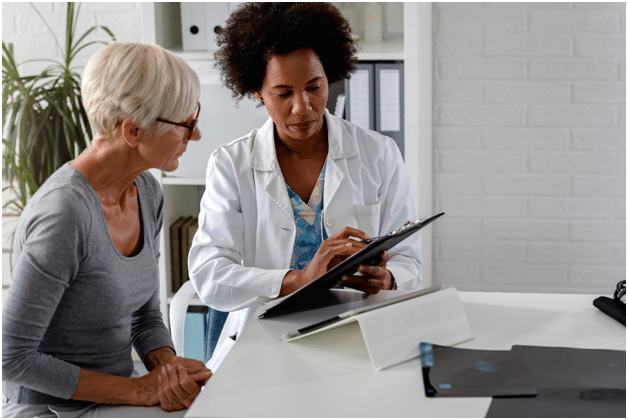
x,y
330,374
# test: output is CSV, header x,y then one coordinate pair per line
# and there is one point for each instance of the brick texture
x,y
530,146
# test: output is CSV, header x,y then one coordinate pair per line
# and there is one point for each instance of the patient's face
x,y
164,150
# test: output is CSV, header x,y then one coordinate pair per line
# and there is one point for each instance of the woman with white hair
x,y
85,287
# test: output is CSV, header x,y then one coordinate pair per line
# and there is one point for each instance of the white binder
x,y
193,26
216,14
393,332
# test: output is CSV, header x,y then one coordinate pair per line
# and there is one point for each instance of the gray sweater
x,y
75,301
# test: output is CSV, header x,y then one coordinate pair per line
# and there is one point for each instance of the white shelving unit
x,y
162,25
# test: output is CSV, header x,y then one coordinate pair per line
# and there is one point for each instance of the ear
x,y
258,95
131,132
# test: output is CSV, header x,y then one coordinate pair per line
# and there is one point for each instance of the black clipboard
x,y
304,297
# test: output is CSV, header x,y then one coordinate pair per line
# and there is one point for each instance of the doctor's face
x,y
295,90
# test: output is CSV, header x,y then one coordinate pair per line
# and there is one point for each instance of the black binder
x,y
312,292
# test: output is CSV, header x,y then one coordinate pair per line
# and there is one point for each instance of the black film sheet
x,y
456,372
571,382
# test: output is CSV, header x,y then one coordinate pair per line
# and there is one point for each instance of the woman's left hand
x,y
372,278
194,368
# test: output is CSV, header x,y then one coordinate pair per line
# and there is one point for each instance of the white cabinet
x,y
412,44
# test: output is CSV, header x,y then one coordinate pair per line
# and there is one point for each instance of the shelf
x,y
173,180
193,55
389,50
392,50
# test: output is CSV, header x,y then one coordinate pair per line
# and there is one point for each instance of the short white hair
x,y
138,81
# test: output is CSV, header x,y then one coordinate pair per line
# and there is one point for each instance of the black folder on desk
x,y
306,297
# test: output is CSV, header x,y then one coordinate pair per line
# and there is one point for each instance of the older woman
x,y
293,198
85,285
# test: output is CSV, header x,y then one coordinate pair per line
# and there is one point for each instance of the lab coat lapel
x,y
264,162
341,147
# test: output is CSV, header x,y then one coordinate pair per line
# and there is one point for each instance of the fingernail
x,y
344,278
163,369
169,368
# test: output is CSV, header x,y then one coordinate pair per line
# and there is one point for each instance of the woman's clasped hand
x,y
178,384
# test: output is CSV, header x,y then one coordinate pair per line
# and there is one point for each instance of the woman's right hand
x,y
173,386
332,252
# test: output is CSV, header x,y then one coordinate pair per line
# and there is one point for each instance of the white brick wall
x,y
529,136
530,145
22,26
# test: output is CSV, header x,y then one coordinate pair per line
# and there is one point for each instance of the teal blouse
x,y
308,218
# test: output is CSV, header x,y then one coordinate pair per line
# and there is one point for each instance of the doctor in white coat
x,y
346,183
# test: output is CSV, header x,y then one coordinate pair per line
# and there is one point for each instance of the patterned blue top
x,y
308,218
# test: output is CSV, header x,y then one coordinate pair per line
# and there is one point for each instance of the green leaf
x,y
43,118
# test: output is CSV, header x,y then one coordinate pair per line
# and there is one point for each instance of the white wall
x,y
22,26
530,146
529,136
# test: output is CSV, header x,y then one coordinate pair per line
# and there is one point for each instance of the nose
x,y
301,104
196,134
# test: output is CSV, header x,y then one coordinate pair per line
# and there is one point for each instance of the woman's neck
x,y
110,170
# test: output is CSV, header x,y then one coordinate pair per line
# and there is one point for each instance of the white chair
x,y
178,310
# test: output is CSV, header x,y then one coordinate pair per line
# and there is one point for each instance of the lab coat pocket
x,y
368,218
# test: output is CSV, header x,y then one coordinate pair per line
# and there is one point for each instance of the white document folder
x,y
193,26
393,329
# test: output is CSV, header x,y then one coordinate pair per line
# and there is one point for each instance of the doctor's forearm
x,y
292,281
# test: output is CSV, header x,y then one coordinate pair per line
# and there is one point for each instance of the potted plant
x,y
43,119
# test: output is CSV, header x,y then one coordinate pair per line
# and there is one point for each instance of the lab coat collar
x,y
264,158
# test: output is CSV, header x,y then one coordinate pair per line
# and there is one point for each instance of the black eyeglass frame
x,y
191,126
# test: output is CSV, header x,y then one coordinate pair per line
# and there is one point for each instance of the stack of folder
x,y
181,235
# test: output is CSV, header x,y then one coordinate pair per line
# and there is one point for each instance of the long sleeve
x,y
148,330
397,208
217,258
41,275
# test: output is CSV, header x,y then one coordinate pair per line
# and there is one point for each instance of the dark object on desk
x,y
570,382
615,307
304,297
612,308
456,372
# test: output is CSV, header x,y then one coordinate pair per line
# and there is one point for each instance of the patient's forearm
x,y
158,357
103,388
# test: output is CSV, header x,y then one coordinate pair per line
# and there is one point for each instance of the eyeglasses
x,y
191,126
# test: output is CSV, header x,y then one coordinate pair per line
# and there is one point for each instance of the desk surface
x,y
330,374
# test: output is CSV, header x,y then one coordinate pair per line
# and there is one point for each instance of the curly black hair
x,y
256,31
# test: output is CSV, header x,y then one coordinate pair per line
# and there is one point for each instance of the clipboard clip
x,y
400,229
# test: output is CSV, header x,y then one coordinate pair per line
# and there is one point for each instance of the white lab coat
x,y
244,244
